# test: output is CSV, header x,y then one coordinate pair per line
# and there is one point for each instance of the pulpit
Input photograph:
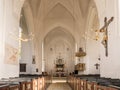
x,y
80,67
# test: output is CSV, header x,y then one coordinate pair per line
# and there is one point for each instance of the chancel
x,y
59,44
60,67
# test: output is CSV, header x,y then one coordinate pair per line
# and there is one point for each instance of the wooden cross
x,y
97,65
104,29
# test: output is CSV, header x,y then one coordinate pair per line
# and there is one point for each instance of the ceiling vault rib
x,y
61,6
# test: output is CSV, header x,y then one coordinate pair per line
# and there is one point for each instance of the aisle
x,y
59,86
59,80
59,83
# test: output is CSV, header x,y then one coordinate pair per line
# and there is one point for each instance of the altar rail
x,y
91,83
26,83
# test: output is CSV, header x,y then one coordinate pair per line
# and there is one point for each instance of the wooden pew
x,y
43,83
78,84
28,85
40,83
25,83
22,86
105,88
112,87
99,87
47,81
4,86
91,85
83,84
14,87
10,84
34,84
74,83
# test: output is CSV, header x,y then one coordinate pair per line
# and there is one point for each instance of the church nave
x,y
59,44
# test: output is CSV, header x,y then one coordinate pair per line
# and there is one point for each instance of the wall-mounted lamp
x,y
104,30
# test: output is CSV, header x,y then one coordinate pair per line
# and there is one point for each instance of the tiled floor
x,y
59,86
59,83
59,80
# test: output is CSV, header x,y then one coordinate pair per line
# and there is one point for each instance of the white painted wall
x,y
92,51
110,65
27,54
87,42
8,24
111,62
1,36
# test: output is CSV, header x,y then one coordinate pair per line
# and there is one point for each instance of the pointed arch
x,y
60,29
28,13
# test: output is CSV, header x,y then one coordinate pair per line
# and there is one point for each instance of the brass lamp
x,y
81,53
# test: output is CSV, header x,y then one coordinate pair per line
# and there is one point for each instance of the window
x,y
23,67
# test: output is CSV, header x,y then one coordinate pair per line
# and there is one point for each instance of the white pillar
x,y
76,50
1,25
43,60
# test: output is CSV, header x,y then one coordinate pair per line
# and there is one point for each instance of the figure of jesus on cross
x,y
104,30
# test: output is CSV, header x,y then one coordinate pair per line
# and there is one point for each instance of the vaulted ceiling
x,y
58,25
60,33
43,16
34,4
84,5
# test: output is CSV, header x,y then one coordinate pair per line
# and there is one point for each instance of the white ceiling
x,y
84,5
43,16
59,33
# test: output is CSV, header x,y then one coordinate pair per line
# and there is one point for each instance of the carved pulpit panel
x,y
80,67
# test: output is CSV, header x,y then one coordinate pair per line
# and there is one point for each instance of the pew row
x,y
25,83
88,83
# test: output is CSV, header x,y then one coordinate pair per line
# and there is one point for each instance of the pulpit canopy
x,y
81,53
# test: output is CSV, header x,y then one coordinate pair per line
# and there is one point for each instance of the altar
x,y
60,67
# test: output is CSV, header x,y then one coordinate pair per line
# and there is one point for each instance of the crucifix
x,y
104,29
97,65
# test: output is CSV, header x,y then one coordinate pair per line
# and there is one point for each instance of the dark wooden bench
x,y
14,87
93,83
4,86
26,83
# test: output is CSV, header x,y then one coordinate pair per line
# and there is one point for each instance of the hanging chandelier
x,y
81,53
20,38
